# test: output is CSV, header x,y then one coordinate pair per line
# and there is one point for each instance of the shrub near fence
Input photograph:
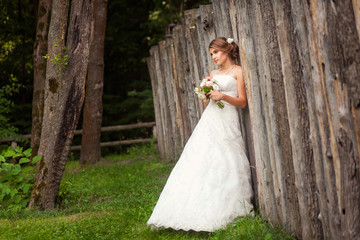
x,y
301,63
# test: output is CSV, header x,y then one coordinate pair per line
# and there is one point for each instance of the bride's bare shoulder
x,y
238,72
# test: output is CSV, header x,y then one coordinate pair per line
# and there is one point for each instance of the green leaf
x,y
24,203
7,166
15,171
19,179
2,159
26,188
17,155
9,152
13,192
268,236
27,168
35,159
18,149
17,199
27,152
24,160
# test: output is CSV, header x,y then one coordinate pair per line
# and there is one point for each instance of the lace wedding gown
x,y
210,184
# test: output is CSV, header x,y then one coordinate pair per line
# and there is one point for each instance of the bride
x,y
210,186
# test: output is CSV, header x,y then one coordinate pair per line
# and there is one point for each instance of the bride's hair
x,y
228,46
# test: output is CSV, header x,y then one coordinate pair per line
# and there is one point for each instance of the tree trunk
x,y
64,96
40,49
92,113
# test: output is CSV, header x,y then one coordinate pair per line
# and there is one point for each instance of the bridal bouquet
x,y
206,85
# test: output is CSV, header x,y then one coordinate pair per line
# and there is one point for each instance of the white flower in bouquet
x,y
206,85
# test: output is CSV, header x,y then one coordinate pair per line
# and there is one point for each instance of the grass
x,y
113,200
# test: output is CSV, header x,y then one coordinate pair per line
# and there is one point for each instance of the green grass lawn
x,y
113,200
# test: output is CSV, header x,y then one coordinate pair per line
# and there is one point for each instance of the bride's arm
x,y
239,101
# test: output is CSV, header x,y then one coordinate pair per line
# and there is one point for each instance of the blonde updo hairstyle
x,y
232,49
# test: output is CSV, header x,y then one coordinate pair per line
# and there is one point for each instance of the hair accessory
x,y
230,40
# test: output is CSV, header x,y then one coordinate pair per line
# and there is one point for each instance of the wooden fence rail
x,y
105,129
301,65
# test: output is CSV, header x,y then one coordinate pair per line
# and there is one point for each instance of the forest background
x,y
132,28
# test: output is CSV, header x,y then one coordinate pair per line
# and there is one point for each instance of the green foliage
x,y
60,59
6,129
16,67
113,200
65,191
16,178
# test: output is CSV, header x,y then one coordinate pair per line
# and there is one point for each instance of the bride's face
x,y
218,56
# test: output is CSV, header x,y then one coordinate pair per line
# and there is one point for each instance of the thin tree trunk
x,y
64,96
92,115
43,14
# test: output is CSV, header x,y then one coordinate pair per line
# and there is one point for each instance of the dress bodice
x,y
227,84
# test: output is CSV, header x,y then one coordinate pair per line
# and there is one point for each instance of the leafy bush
x,y
16,177
65,192
7,129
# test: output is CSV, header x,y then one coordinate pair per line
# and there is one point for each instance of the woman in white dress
x,y
210,186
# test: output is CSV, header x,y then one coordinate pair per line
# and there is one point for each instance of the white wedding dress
x,y
210,184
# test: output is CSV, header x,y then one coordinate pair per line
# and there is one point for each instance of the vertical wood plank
x,y
182,66
157,106
276,116
343,90
222,23
165,115
251,77
193,50
296,104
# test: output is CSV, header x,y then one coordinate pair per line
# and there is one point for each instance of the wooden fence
x,y
105,129
301,65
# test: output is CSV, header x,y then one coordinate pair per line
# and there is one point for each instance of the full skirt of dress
x,y
210,185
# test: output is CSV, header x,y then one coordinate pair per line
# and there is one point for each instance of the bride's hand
x,y
215,95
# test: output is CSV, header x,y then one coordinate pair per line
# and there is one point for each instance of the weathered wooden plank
x,y
343,91
168,93
317,31
356,9
251,76
297,108
274,107
179,83
165,115
206,32
193,52
173,99
300,16
183,76
151,62
222,23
